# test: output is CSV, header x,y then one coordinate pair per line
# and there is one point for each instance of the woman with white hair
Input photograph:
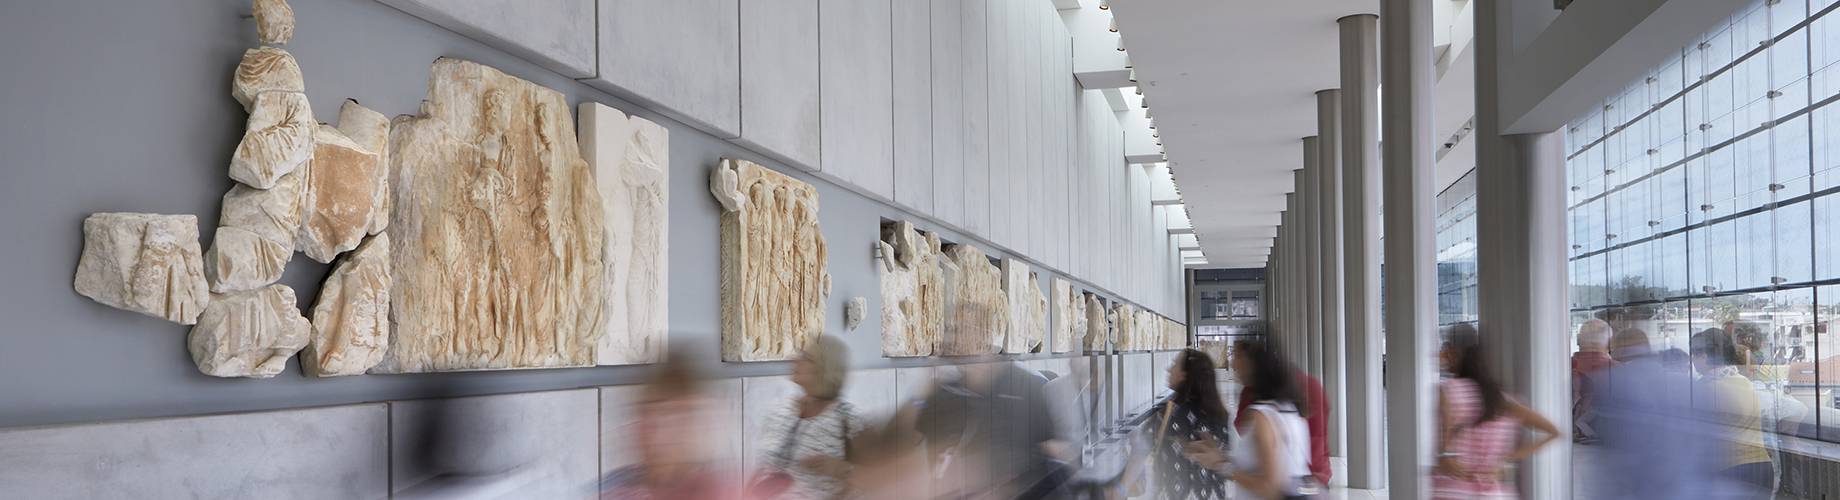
x,y
808,440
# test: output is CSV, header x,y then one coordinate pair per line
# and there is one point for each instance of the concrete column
x,y
1294,273
1521,277
1329,205
1309,353
1409,164
1362,398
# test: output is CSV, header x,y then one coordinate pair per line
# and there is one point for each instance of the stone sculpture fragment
x,y
1146,331
1021,303
351,319
976,309
340,196
1076,321
273,213
243,260
631,158
853,313
248,334
370,130
146,263
774,282
1062,312
263,70
278,141
1124,327
913,291
496,227
1035,330
274,21
1098,334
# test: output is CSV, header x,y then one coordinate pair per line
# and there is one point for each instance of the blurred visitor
x,y
1271,459
1726,397
1317,417
808,441
1478,426
1592,359
1193,416
677,459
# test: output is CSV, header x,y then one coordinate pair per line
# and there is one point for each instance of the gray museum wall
x,y
125,106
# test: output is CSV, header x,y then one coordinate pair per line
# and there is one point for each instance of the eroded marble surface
x,y
977,311
1098,334
497,229
278,140
274,21
340,196
1061,312
631,157
240,260
774,282
913,291
351,319
146,263
1021,301
248,334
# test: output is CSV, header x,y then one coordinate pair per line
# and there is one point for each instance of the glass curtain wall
x,y
1703,196
1456,251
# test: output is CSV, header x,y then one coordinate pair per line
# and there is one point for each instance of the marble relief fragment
x,y
370,130
274,21
243,260
1020,301
279,139
496,230
913,291
853,313
774,282
146,263
1148,336
351,319
1035,329
341,193
976,309
1098,334
248,334
272,213
631,158
1060,310
1124,327
264,70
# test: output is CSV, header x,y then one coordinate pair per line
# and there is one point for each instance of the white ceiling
x,y
1233,86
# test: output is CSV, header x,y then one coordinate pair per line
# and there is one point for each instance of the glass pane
x,y
1812,382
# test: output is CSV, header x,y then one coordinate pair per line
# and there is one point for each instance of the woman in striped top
x,y
1478,426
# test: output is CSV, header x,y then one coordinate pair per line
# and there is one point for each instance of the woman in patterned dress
x,y
1478,426
809,438
1194,411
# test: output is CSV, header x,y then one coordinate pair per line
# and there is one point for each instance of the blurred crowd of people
x,y
1666,424
1701,423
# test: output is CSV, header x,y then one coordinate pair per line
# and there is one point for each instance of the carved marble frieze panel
x,y
977,311
631,157
1098,332
913,291
497,229
774,282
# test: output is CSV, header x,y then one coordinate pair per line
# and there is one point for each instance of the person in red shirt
x,y
1318,419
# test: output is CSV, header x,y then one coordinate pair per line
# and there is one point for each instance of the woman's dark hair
x,y
1716,346
1271,378
1199,389
1473,365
